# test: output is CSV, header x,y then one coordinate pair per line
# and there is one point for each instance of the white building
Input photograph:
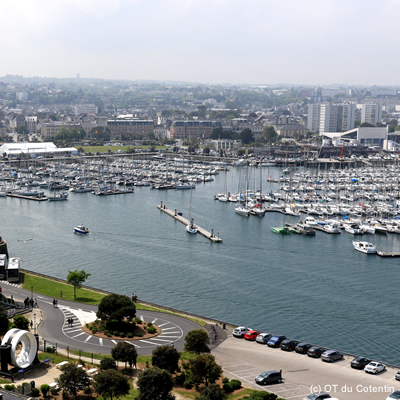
x,y
371,113
86,109
313,117
327,117
30,149
31,123
367,136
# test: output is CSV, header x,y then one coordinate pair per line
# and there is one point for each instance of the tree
x,y
125,352
203,368
4,321
269,133
116,307
212,392
196,341
108,363
21,322
22,130
397,128
73,379
246,136
44,389
258,395
165,357
155,384
76,278
111,383
367,125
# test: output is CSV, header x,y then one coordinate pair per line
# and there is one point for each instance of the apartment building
x,y
371,113
192,129
130,126
326,117
31,123
85,109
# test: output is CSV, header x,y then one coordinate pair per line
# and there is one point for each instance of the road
x,y
54,327
244,360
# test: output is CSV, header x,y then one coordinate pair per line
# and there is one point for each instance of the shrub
x,y
87,326
228,387
88,390
149,324
94,330
188,384
225,380
115,333
35,392
108,334
50,349
54,391
129,335
44,389
138,321
9,387
236,384
151,329
180,379
122,334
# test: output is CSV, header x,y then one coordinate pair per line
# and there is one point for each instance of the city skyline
x,y
210,42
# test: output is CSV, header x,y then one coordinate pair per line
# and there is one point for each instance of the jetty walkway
x,y
203,232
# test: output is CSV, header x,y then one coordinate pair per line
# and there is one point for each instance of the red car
x,y
251,335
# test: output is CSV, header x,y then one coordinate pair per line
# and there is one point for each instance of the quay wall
x,y
183,313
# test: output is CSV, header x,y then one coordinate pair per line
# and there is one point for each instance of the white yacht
x,y
332,227
354,229
364,247
241,209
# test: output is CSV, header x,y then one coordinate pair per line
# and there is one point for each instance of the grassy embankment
x,y
53,288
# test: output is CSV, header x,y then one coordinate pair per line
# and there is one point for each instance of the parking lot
x,y
244,360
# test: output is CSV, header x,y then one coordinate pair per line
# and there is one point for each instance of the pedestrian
x,y
71,321
172,344
31,324
54,302
36,304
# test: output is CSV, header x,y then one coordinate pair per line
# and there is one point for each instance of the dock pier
x,y
203,232
34,198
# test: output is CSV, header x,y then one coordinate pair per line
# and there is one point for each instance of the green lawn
x,y
53,288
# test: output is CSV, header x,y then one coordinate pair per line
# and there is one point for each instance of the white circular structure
x,y
28,351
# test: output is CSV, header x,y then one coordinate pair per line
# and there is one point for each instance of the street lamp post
x,y
34,323
32,293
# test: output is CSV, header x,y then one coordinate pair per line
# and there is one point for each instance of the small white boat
x,y
81,229
354,229
364,247
58,197
241,209
332,227
310,221
191,228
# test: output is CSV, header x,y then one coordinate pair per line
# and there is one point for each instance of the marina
x,y
315,287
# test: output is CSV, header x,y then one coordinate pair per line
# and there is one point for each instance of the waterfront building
x,y
128,125
192,129
33,149
367,136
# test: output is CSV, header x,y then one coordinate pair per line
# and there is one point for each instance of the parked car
x,y
289,345
302,348
374,367
240,331
394,395
331,355
315,351
251,335
263,338
318,396
269,377
359,362
276,340
397,376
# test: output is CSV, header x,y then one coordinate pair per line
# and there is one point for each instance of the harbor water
x,y
315,289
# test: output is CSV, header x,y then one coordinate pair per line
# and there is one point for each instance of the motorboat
x,y
310,221
364,247
283,230
81,229
58,197
367,228
354,229
332,227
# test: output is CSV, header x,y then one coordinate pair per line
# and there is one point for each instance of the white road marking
x,y
171,333
154,344
166,329
114,341
154,320
75,330
88,338
133,344
141,317
164,324
79,334
162,340
172,337
101,341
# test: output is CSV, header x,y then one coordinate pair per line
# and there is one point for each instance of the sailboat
x,y
191,227
258,209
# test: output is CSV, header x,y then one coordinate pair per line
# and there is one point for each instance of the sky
x,y
308,42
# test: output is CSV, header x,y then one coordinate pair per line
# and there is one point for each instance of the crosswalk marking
x,y
133,344
154,320
163,324
79,334
88,338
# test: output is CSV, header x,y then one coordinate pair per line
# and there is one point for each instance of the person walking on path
x,y
54,302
